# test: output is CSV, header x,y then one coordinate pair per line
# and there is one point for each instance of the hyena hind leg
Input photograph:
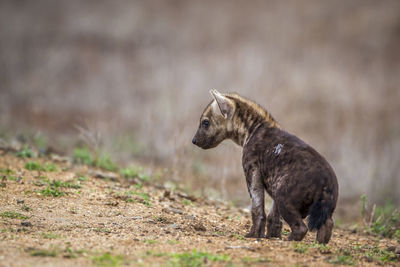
x,y
325,232
295,221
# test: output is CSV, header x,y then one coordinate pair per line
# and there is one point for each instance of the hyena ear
x,y
226,106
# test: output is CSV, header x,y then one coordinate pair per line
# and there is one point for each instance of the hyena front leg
x,y
256,191
274,223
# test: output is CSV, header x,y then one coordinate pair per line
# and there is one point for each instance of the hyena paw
x,y
274,235
254,235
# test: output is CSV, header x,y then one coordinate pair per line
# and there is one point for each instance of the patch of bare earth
x,y
108,221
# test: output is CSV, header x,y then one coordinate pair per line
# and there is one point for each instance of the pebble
x,y
397,250
26,223
178,211
20,201
174,226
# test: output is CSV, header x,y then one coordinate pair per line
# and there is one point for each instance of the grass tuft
x,y
35,166
107,259
196,258
13,215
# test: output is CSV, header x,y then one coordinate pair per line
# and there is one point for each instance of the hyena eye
x,y
205,123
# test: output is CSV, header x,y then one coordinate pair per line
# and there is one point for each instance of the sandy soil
x,y
110,221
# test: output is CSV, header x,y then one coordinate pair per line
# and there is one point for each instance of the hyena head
x,y
215,122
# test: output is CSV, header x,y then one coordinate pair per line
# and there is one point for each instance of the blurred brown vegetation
x,y
138,74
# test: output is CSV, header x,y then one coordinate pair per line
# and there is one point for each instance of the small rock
x,y
391,248
26,223
19,178
209,241
178,211
240,247
20,201
199,227
174,226
353,229
190,217
137,218
397,250
58,158
104,175
184,195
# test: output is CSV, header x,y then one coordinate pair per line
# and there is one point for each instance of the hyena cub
x,y
298,179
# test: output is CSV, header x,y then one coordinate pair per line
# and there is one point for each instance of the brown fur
x,y
299,179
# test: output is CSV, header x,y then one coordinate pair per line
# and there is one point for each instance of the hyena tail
x,y
320,211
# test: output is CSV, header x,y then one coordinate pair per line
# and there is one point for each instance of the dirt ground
x,y
80,216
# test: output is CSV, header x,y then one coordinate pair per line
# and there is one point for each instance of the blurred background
x,y
134,76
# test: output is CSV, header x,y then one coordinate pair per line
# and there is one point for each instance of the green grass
x,y
378,254
83,156
240,237
144,197
43,253
50,235
134,172
6,171
342,259
26,152
53,187
150,241
13,215
51,192
186,202
249,260
103,160
195,259
107,259
300,247
35,166
385,220
25,208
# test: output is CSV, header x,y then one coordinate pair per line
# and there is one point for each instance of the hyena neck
x,y
248,117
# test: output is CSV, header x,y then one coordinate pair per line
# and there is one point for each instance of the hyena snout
x,y
203,140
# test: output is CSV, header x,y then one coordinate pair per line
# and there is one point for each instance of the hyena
x,y
298,179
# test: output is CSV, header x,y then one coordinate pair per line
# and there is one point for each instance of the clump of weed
x,y
53,187
43,253
13,215
380,255
25,208
51,192
249,260
83,155
382,220
196,258
149,241
107,259
50,235
6,171
186,202
35,166
104,161
143,198
342,259
25,152
300,247
134,172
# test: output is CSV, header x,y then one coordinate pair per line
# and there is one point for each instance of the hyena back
x,y
298,179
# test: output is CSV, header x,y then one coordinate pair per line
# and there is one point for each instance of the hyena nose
x,y
194,140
